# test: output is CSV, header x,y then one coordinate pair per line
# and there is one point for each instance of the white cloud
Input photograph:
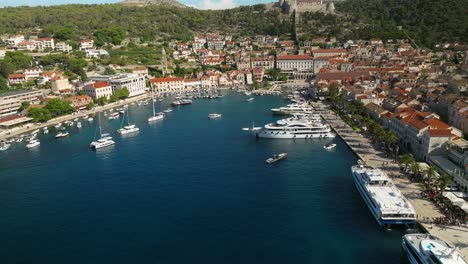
x,y
217,4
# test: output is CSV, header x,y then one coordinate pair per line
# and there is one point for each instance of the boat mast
x,y
99,124
152,95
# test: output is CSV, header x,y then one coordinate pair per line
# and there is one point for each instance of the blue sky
x,y
203,4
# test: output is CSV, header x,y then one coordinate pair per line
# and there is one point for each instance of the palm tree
x,y
443,182
407,160
415,169
430,173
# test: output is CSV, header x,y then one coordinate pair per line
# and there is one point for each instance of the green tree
x,y
24,105
90,106
407,160
109,71
443,182
39,114
58,107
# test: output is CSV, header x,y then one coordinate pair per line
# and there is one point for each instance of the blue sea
x,y
186,190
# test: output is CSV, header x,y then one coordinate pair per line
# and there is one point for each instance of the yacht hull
x,y
289,135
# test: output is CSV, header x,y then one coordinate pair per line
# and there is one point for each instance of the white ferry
x,y
428,249
386,203
294,127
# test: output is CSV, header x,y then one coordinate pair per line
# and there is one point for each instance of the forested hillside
x,y
427,21
72,21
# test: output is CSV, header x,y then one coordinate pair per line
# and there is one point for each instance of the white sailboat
x,y
104,140
155,116
129,128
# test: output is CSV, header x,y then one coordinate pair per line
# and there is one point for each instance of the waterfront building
x,y
294,62
421,133
167,85
135,84
11,101
26,46
79,102
98,89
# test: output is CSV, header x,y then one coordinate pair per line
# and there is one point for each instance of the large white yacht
x,y
128,130
104,141
299,126
386,203
291,109
428,249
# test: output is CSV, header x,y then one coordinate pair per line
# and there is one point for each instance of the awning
x,y
454,199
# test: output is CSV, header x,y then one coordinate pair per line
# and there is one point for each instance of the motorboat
x,y
385,201
58,125
329,146
291,109
214,115
276,157
298,127
250,99
114,115
428,249
78,124
62,135
167,110
33,143
90,119
4,147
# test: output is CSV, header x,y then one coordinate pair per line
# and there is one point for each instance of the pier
x,y
363,148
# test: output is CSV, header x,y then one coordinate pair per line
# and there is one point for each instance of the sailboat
x,y
128,129
155,116
104,140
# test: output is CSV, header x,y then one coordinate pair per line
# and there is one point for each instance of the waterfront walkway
x,y
364,149
30,127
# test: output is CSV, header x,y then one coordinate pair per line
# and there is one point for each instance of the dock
x,y
363,148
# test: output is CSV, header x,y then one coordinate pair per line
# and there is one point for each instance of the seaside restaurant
x,y
13,121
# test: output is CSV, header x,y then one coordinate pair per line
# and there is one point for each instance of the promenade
x,y
364,149
4,134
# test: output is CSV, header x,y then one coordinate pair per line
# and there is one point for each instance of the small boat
x,y
156,117
78,125
276,158
35,131
176,103
33,143
19,140
90,119
62,135
58,125
250,99
114,115
46,131
76,119
4,147
329,146
167,110
214,115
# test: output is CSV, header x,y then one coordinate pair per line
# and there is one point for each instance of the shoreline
x,y
31,127
425,209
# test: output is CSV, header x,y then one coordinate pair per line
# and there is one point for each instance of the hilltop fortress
x,y
301,6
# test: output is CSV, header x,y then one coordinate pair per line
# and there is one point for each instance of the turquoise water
x,y
186,190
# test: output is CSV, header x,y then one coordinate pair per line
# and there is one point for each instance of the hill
x,y
152,2
426,21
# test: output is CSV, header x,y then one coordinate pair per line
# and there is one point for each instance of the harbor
x,y
139,189
425,209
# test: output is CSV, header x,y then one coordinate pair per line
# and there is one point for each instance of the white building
x,y
32,73
295,62
63,47
14,40
26,45
168,85
98,89
86,44
44,43
11,101
135,84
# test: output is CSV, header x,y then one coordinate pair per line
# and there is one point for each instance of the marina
x,y
151,199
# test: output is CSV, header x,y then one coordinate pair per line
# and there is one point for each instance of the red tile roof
x,y
16,76
439,133
98,85
295,57
167,79
329,51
